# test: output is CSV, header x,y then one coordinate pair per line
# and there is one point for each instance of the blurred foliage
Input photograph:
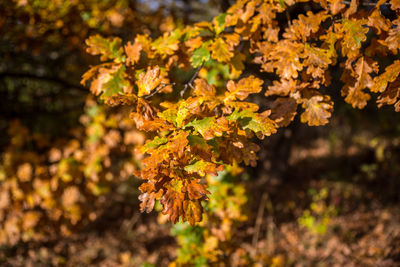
x,y
64,183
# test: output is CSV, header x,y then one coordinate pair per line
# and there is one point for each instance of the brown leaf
x,y
356,80
317,111
195,190
391,95
193,211
172,201
283,111
202,88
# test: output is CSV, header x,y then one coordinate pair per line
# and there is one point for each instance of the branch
x,y
259,219
158,89
365,3
57,80
190,83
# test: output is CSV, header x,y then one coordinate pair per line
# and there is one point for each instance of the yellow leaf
x,y
220,50
317,110
148,81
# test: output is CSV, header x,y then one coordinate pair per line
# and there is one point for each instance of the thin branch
x,y
44,78
190,83
162,86
365,3
260,215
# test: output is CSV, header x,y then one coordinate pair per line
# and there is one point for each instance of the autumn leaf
x,y
220,50
152,144
391,95
195,190
219,23
391,73
194,43
148,81
283,57
259,123
354,33
117,83
108,79
167,44
394,4
108,48
282,88
358,79
305,25
376,20
243,88
393,39
317,111
209,127
133,53
148,197
283,111
202,88
203,167
193,211
172,200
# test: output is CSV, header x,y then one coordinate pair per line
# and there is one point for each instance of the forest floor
x,y
336,204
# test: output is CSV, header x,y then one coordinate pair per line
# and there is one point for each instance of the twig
x,y
189,84
288,17
260,214
365,3
162,86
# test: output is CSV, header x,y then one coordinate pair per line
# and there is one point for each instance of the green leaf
x,y
260,124
108,48
168,115
156,142
182,113
199,56
197,140
117,84
208,127
201,167
220,23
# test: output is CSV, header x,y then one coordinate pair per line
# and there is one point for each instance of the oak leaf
x,y
209,127
203,167
317,111
283,111
243,88
148,81
220,50
259,123
391,95
133,53
356,80
108,48
390,75
195,190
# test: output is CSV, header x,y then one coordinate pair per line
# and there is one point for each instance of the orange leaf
x,y
243,88
148,81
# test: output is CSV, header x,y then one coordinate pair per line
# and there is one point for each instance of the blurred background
x,y
319,196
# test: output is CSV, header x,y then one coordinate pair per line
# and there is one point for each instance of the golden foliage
x,y
212,126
